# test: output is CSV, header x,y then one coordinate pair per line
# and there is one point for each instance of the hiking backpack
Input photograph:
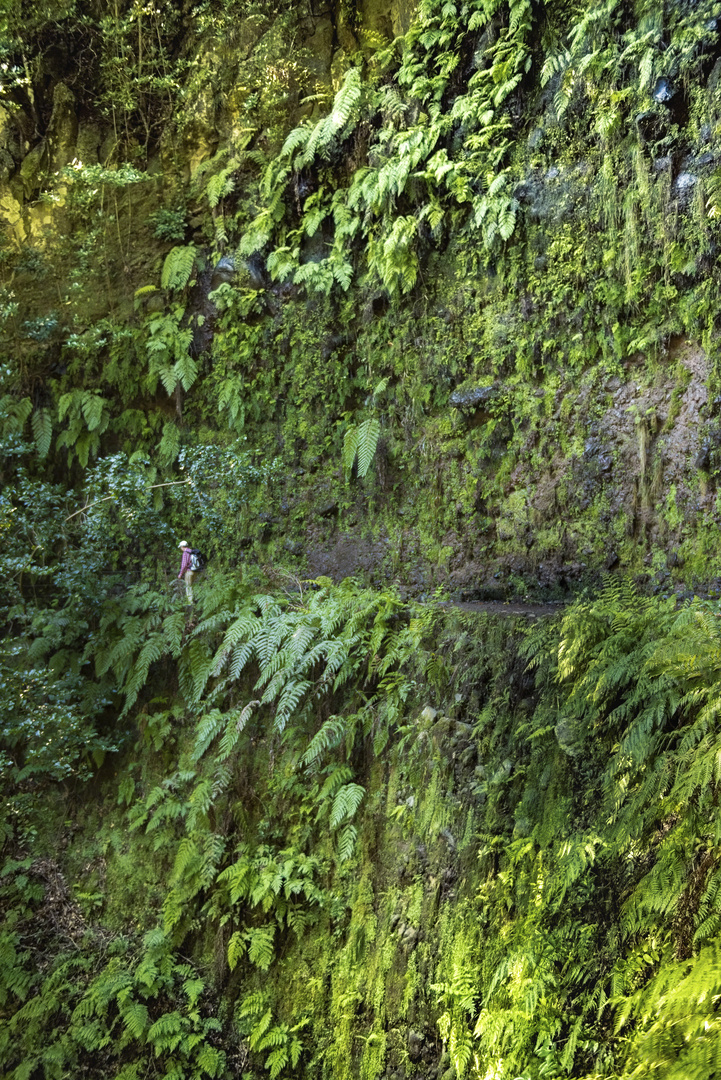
x,y
197,559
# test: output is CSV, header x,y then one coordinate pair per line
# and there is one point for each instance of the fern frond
x,y
276,1062
260,946
346,802
360,444
186,854
178,266
297,138
328,737
219,186
346,842
290,698
42,428
350,447
135,1018
368,435
209,727
460,1048
237,947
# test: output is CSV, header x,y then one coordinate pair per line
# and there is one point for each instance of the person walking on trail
x,y
186,569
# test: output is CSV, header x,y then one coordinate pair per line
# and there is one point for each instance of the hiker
x,y
186,570
192,562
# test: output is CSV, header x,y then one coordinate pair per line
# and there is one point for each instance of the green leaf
x,y
276,1062
346,842
42,427
368,435
256,1035
169,379
135,1018
350,447
219,186
237,948
346,802
92,409
186,371
178,267
260,946
169,445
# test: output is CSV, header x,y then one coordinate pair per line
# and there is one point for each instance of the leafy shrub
x,y
42,328
47,728
169,224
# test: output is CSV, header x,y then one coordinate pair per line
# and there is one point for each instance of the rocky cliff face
x,y
548,242
425,295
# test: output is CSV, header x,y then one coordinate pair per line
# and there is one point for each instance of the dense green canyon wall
x,y
377,305
491,242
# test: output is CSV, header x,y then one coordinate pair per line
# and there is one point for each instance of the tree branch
x,y
169,483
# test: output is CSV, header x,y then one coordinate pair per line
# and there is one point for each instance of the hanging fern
x,y
329,736
178,267
336,122
219,186
346,802
360,444
297,138
42,428
92,409
414,163
260,946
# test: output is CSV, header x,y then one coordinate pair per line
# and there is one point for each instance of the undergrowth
x,y
362,816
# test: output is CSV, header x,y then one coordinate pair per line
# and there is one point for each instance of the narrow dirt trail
x,y
506,608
